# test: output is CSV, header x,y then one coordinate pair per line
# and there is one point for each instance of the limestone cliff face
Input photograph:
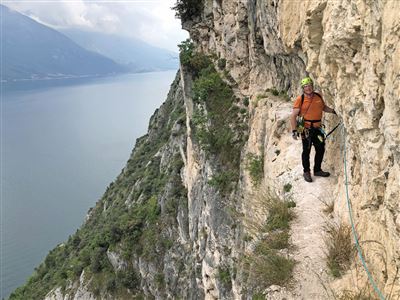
x,y
351,49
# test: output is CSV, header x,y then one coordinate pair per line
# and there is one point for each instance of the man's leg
x,y
319,153
305,156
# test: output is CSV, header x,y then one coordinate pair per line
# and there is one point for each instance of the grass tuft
x,y
356,295
280,215
339,248
277,240
267,265
329,207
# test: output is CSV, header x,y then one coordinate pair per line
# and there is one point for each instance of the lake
x,y
60,148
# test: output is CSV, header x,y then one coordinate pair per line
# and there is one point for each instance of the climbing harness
x,y
353,229
300,124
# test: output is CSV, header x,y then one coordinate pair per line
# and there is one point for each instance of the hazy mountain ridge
x,y
135,54
34,51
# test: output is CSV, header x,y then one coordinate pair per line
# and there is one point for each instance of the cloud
x,y
150,20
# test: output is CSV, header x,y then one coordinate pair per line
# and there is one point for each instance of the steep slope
x,y
132,53
33,51
132,227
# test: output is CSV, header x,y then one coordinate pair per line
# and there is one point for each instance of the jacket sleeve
x,y
297,102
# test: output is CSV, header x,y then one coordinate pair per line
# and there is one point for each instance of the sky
x,y
152,21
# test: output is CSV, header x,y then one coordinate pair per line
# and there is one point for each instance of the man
x,y
310,106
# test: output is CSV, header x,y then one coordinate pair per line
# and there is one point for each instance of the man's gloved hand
x,y
295,134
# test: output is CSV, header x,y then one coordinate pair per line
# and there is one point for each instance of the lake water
x,y
60,148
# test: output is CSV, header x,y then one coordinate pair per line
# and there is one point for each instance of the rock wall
x,y
351,49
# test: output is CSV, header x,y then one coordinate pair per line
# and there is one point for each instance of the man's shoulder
x,y
319,94
297,102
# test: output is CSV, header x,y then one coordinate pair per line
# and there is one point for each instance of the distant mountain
x,y
134,53
34,51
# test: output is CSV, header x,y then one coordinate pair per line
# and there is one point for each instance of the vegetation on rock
x,y
188,9
266,265
131,220
255,166
339,248
218,122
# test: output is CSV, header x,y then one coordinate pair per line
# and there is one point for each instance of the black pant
x,y
319,146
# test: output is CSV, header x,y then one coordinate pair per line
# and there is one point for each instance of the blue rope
x,y
377,290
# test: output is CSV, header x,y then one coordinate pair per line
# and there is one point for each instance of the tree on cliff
x,y
188,9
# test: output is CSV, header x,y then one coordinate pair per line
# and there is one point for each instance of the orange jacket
x,y
311,109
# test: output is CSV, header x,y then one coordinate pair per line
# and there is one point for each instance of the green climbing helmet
x,y
305,81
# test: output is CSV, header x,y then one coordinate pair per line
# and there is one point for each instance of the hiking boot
x,y
307,176
322,173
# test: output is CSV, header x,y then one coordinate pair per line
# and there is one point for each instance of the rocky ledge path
x,y
308,236
308,229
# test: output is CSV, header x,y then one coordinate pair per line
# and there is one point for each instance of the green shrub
x,y
159,278
255,166
151,210
261,96
224,276
247,238
291,204
287,187
199,62
216,124
246,101
186,50
258,296
221,63
149,243
274,91
229,77
223,180
128,279
284,95
111,285
188,9
194,61
97,261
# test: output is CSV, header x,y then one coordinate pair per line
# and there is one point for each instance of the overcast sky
x,y
150,20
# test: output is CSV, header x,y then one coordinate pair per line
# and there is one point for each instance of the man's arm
x,y
329,110
293,116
